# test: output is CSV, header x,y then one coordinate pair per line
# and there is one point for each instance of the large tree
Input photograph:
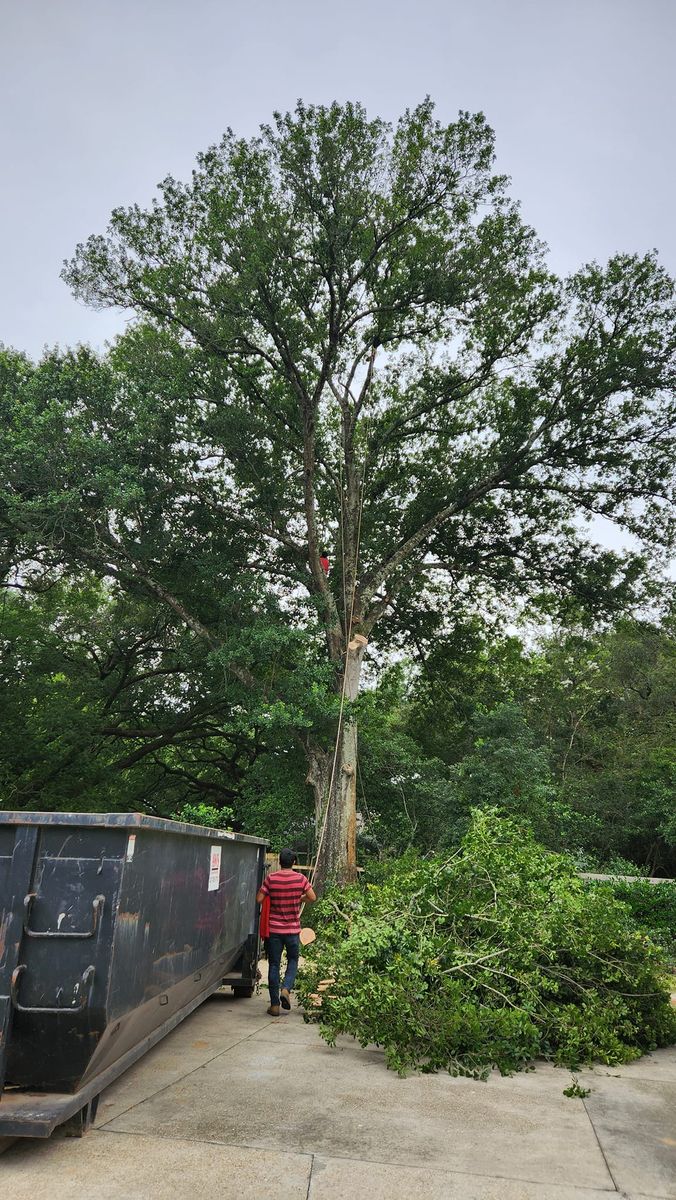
x,y
358,346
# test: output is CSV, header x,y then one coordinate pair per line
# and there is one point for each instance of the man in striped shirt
x,y
286,889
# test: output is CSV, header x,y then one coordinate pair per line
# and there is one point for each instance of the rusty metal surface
x,y
26,1113
36,1114
146,915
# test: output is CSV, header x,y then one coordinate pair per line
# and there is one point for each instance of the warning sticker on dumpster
x,y
131,846
215,868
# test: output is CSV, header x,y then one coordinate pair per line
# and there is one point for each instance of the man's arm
x,y
259,895
309,894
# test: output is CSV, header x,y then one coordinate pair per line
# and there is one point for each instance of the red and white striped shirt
x,y
286,890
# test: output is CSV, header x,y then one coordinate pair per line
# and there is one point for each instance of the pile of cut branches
x,y
490,958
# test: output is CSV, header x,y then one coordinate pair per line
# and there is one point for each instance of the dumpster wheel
x,y
244,993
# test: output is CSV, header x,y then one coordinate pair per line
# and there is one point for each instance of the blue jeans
x,y
276,943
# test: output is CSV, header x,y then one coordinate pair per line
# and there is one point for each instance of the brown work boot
x,y
285,998
273,1010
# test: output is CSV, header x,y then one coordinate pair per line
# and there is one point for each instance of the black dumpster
x,y
113,927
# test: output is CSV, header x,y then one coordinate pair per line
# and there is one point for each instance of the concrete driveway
x,y
235,1105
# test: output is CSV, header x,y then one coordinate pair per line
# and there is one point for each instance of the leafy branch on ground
x,y
491,957
576,1091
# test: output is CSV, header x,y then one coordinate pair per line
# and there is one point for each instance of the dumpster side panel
x,y
187,907
68,919
119,926
177,913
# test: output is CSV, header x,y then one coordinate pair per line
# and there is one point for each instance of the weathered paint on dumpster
x,y
112,926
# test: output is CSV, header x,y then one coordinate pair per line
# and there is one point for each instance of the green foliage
x,y
463,675
576,731
576,1091
110,705
204,814
652,906
404,794
274,803
52,701
603,706
489,958
506,769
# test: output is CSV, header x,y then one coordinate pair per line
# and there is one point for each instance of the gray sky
x,y
102,98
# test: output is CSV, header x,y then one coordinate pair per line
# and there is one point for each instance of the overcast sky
x,y
102,98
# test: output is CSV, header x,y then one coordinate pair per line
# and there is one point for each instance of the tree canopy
x,y
348,340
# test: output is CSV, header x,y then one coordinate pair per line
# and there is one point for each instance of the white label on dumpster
x,y
215,868
131,846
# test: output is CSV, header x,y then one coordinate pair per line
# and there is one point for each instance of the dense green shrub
x,y
491,957
652,905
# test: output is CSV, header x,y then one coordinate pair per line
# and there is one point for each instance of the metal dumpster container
x,y
113,927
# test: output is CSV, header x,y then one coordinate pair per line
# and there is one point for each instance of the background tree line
x,y
108,705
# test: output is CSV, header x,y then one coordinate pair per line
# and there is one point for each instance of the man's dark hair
x,y
286,858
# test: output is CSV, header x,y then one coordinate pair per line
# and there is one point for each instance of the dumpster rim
x,y
132,820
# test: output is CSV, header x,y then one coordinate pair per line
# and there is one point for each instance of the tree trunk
x,y
318,777
337,828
